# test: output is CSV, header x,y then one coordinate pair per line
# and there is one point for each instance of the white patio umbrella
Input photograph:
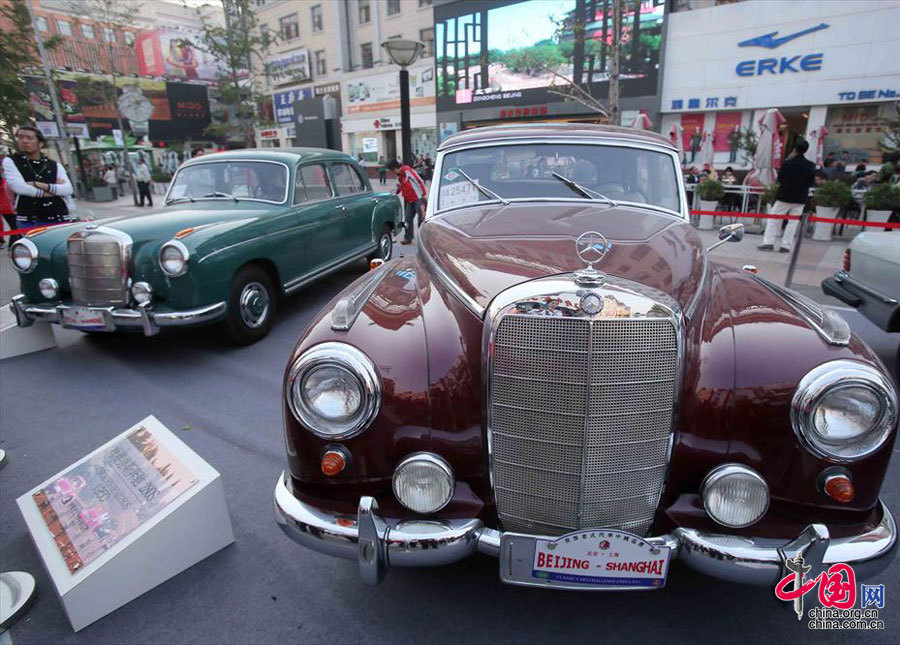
x,y
642,122
675,134
763,172
707,154
817,143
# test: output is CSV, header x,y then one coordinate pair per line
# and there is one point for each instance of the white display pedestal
x,y
822,230
190,527
706,222
877,216
16,341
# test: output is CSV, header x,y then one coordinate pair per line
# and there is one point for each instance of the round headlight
x,y
423,483
49,288
173,258
334,390
735,495
843,410
24,255
142,292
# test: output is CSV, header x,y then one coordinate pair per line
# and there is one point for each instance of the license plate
x,y
83,318
601,559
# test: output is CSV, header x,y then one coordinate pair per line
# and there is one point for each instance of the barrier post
x,y
795,249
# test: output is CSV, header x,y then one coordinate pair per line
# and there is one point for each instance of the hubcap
x,y
254,305
385,247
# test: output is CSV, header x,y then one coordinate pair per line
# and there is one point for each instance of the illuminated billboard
x,y
517,52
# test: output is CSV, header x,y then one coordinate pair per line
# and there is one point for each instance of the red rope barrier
x,y
813,218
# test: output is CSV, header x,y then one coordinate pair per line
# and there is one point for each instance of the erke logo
x,y
808,63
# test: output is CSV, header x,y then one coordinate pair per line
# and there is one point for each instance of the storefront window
x,y
364,146
855,131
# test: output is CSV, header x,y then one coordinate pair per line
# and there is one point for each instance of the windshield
x,y
608,173
254,180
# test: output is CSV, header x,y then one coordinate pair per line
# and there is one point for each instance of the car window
x,y
315,184
620,173
227,179
346,179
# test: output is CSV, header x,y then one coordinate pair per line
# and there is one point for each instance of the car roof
x,y
284,155
550,130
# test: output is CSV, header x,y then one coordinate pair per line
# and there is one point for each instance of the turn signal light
x,y
333,463
184,233
374,264
846,266
36,231
749,268
839,488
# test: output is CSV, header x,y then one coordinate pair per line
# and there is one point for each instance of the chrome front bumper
x,y
114,318
377,543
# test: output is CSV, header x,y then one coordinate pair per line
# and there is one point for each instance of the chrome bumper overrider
x,y
117,318
377,543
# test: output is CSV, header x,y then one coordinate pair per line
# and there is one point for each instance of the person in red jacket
x,y
7,212
414,193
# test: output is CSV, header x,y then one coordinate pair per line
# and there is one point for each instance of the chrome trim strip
x,y
191,164
297,283
347,309
747,560
844,276
470,303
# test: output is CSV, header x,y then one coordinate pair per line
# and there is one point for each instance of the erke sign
x,y
784,64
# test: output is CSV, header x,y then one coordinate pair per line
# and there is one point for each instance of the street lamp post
x,y
404,53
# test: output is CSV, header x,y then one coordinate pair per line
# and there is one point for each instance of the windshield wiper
x,y
216,193
179,199
481,189
581,190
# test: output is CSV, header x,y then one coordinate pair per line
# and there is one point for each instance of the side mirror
x,y
729,233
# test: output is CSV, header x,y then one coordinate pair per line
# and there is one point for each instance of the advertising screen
x,y
517,52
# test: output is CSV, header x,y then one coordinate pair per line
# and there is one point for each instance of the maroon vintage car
x,y
563,377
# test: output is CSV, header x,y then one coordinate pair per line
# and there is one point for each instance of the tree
x,y
234,47
18,54
113,14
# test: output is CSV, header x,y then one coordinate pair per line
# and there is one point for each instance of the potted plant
x,y
710,193
881,200
161,181
830,197
100,192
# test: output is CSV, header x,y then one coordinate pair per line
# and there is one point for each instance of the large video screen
x,y
515,53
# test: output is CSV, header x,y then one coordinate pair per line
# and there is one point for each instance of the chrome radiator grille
x,y
580,421
98,267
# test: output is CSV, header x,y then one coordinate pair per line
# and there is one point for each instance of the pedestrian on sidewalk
x,y
795,178
143,182
110,178
37,182
412,188
382,171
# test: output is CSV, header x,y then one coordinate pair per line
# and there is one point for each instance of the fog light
x,y
142,292
735,496
839,488
49,288
333,462
423,482
375,263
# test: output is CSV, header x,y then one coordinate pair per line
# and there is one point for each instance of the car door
x,y
354,193
315,203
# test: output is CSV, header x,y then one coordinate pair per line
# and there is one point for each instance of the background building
x,y
332,49
499,60
818,62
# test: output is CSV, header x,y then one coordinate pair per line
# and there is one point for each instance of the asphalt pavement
x,y
224,402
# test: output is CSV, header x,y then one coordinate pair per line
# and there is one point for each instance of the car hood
x,y
488,249
162,225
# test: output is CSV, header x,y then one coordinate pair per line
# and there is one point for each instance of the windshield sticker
x,y
452,176
456,194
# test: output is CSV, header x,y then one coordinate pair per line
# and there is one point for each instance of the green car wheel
x,y
251,306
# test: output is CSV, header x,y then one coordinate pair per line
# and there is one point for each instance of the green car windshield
x,y
614,174
250,180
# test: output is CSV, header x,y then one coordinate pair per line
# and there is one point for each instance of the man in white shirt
x,y
143,182
38,182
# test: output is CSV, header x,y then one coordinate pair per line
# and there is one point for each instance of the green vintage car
x,y
239,229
